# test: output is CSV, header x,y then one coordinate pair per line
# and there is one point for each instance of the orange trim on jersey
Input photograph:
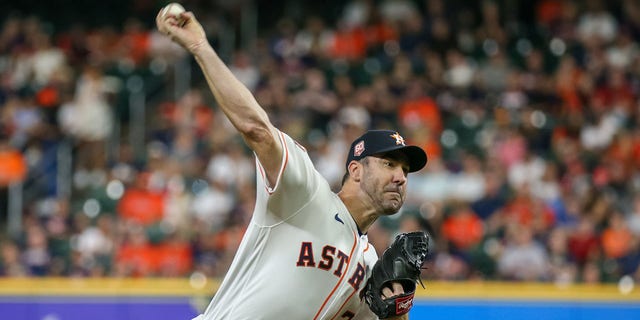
x,y
285,150
355,243
300,146
344,303
354,290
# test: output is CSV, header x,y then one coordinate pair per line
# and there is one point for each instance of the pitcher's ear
x,y
355,170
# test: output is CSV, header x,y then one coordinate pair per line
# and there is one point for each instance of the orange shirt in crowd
x,y
616,242
174,258
528,212
137,260
464,229
170,259
142,206
423,111
380,33
13,167
349,44
48,97
423,116
548,11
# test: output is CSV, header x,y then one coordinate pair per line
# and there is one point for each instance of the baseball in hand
x,y
173,9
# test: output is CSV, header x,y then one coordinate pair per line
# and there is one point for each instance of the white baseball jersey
x,y
302,256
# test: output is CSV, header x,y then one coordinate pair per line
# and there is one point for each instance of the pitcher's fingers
x,y
187,15
161,22
397,289
386,293
173,21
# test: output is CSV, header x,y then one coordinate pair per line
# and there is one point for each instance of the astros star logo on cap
x,y
399,138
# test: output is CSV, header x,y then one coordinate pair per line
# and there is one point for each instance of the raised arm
x,y
235,100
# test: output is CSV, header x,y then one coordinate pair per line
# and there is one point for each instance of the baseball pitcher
x,y
305,254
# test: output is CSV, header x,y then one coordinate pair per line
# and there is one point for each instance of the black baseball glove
x,y
400,263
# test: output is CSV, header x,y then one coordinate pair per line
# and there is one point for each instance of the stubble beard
x,y
391,207
378,196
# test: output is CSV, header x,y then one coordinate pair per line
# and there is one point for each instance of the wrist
x,y
200,48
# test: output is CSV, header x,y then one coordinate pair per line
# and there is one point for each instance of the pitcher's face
x,y
384,180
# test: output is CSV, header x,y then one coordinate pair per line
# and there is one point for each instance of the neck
x,y
363,215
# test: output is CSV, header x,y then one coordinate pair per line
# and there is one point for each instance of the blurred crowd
x,y
530,116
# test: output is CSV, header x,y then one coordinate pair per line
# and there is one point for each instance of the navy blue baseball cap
x,y
376,142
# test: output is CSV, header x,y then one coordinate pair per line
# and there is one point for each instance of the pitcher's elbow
x,y
257,132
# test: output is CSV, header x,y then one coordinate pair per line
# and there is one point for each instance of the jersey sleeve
x,y
297,183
